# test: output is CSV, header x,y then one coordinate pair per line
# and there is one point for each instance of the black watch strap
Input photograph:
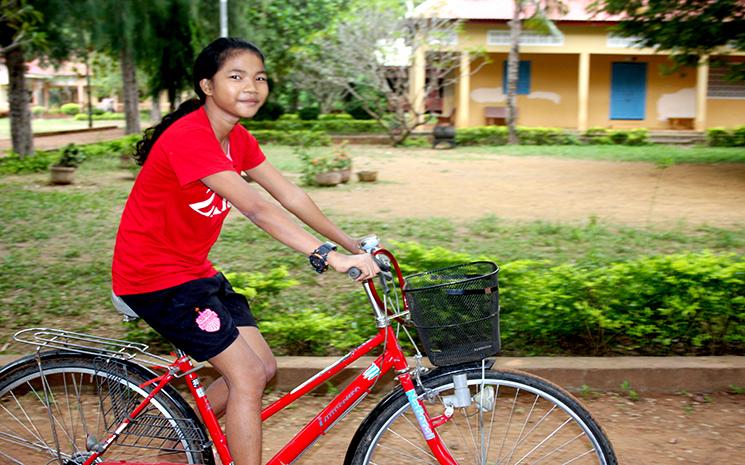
x,y
319,257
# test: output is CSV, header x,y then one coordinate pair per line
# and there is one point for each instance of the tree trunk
x,y
155,114
19,98
131,98
513,66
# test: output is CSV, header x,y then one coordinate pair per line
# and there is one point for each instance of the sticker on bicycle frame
x,y
200,392
419,414
372,372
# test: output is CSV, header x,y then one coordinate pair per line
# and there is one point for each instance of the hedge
x,y
334,126
295,138
40,161
682,304
721,137
497,135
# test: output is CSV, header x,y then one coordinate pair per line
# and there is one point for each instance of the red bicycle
x,y
83,400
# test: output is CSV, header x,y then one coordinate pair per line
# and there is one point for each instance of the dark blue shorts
x,y
200,317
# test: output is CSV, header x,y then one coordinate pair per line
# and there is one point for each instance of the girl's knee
x,y
270,368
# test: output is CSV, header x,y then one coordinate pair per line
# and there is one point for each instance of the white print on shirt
x,y
213,206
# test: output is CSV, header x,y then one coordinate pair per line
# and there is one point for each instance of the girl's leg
x,y
245,377
217,392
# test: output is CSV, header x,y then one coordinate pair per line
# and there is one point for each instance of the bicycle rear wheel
x,y
514,418
57,411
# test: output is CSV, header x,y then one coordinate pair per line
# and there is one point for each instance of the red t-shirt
x,y
171,219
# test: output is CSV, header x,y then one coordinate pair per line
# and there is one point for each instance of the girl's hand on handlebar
x,y
363,262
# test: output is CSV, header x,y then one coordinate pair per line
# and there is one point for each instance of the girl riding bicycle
x,y
190,179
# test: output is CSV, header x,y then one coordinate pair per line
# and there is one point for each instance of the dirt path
x,y
42,142
655,430
551,189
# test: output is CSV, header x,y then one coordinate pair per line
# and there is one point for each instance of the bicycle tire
x,y
87,397
530,420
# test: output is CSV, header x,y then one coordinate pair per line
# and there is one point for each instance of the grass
x,y
56,245
39,126
659,154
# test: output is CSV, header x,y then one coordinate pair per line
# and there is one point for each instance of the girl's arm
x,y
272,219
296,201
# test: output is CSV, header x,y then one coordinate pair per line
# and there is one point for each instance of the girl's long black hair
x,y
208,62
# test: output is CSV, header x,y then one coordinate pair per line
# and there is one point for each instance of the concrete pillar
x,y
583,91
418,80
462,110
702,87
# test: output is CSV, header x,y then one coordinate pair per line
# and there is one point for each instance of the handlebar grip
x,y
354,272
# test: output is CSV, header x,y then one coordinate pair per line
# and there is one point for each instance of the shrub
x,y
311,138
356,110
104,116
415,142
637,137
271,111
309,331
677,304
71,157
721,137
70,109
485,135
545,136
38,162
257,287
344,116
309,113
38,111
683,304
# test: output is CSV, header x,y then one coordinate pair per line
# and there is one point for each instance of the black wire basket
x,y
456,312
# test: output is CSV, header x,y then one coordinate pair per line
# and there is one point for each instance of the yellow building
x,y
581,77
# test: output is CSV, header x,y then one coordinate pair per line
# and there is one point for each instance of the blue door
x,y
628,91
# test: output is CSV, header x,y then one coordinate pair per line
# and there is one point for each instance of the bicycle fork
x,y
461,398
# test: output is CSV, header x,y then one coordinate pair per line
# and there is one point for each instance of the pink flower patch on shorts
x,y
208,320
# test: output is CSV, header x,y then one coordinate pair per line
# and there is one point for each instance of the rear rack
x,y
50,338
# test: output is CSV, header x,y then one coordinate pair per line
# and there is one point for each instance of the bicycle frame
x,y
392,358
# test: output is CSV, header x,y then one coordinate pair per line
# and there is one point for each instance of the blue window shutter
x,y
523,77
523,82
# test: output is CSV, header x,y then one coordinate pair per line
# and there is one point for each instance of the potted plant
x,y
318,171
63,171
367,176
342,162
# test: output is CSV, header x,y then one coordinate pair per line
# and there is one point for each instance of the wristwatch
x,y
318,258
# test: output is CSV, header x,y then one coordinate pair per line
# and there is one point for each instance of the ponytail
x,y
144,145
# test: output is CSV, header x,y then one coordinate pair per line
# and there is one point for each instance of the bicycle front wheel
x,y
514,418
58,408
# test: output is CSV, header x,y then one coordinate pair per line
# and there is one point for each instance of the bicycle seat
x,y
125,310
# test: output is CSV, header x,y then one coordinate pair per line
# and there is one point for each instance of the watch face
x,y
318,263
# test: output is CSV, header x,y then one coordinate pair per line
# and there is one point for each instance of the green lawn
x,y
56,242
50,125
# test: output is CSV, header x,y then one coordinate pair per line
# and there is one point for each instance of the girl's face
x,y
240,86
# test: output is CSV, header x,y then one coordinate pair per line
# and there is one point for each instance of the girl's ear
x,y
206,86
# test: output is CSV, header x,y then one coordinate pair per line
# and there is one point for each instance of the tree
x,y
168,60
124,29
19,24
688,30
278,28
368,51
535,13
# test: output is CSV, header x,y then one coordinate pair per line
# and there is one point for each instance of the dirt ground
x,y
550,189
654,430
661,429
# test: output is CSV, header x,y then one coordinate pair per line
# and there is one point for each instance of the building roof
x,y
502,10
